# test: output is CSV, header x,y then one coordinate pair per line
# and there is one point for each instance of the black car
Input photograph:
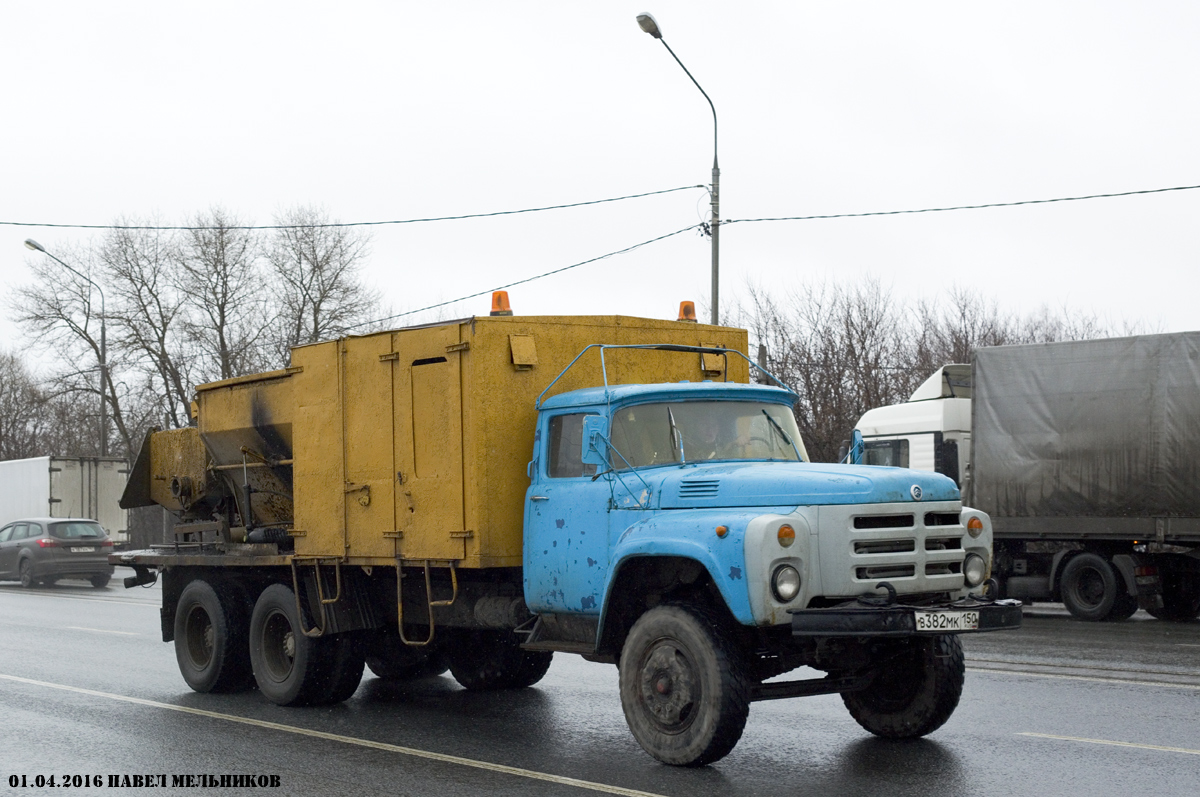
x,y
43,550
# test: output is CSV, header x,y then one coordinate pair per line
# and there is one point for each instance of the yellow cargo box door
x,y
428,395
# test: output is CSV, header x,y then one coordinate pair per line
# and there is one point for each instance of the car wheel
x,y
100,580
915,690
683,687
26,574
210,639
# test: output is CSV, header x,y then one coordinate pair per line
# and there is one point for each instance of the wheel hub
x,y
669,687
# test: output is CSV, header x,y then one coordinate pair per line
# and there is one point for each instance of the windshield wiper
x,y
676,438
775,425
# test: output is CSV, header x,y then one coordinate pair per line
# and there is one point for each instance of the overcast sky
x,y
396,110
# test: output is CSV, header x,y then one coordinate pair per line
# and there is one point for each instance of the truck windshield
x,y
695,431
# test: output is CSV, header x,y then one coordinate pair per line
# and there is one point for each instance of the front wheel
x,y
915,689
683,686
25,571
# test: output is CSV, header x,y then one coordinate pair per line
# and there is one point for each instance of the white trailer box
x,y
81,487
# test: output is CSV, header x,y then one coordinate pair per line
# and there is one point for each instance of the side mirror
x,y
595,440
856,448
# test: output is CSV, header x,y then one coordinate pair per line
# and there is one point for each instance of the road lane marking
x,y
1095,667
1126,681
110,601
101,630
1112,743
334,737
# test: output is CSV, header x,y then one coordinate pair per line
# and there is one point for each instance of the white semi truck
x,y
75,487
1086,455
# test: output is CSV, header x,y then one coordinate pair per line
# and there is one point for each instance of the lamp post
x,y
35,246
647,23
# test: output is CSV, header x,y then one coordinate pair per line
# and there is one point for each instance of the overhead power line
x,y
348,223
527,279
965,207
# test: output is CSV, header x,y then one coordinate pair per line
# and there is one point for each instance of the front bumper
x,y
897,620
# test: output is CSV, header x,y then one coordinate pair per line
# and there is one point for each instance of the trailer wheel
x,y
210,640
915,691
1090,587
290,668
683,686
486,660
1181,597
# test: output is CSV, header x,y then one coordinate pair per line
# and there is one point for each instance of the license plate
x,y
83,549
947,621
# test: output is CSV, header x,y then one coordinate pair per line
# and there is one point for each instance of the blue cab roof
x,y
670,391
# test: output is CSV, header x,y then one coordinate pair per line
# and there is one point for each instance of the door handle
x,y
539,498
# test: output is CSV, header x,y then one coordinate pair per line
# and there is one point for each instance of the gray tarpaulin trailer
x,y
1086,455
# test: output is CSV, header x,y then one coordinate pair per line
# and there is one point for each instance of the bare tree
x,y
60,315
148,313
228,314
317,268
22,422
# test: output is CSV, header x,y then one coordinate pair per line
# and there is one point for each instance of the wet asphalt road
x,y
1058,708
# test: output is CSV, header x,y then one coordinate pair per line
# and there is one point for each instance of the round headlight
x,y
974,570
786,583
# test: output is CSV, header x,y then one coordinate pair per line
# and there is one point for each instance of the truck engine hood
x,y
798,484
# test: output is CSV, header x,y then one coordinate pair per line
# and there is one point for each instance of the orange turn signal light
x,y
722,531
975,527
786,535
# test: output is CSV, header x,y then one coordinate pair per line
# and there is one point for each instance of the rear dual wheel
x,y
210,638
1181,597
487,660
293,669
1093,590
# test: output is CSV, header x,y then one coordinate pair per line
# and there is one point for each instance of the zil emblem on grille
x,y
916,492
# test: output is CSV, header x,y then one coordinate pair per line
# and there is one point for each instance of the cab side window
x,y
5,533
566,447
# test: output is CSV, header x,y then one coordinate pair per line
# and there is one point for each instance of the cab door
x,y
566,522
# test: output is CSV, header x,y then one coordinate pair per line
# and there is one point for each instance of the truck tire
x,y
392,660
210,639
1090,587
347,669
487,660
683,686
1181,597
100,580
290,668
915,690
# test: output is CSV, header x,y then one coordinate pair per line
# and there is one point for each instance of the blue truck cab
x,y
680,531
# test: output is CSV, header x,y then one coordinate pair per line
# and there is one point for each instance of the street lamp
x,y
647,23
37,247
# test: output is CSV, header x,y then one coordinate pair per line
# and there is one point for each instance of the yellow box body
x,y
413,444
